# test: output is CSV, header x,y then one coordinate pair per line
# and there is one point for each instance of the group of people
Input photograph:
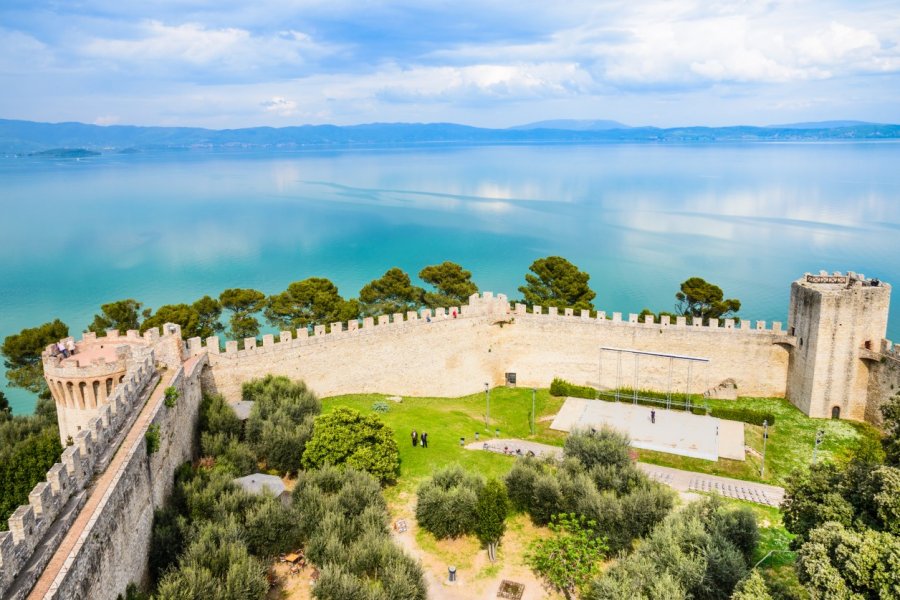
x,y
417,439
65,348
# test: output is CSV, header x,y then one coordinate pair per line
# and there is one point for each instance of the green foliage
x,y
392,293
562,388
689,554
281,420
747,415
5,410
447,503
890,416
752,587
216,416
22,354
209,310
346,437
557,282
200,319
171,397
698,298
122,315
25,463
452,285
837,562
344,522
814,497
152,438
309,302
490,515
569,558
243,303
380,407
606,447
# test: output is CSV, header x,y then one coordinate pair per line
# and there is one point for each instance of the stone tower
x,y
84,382
838,321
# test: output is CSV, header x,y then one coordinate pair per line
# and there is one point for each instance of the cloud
x,y
106,120
280,106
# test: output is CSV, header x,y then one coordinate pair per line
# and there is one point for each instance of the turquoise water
x,y
170,227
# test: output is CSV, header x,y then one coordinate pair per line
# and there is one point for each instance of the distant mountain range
x,y
28,137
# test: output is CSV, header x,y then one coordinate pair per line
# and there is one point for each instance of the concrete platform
x,y
675,431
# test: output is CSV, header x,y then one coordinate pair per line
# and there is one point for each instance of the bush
x,y
447,503
560,387
346,437
604,447
171,397
216,416
520,482
747,415
152,437
381,407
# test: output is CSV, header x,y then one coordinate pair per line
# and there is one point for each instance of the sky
x,y
230,63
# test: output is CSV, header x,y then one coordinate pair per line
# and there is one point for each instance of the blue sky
x,y
229,63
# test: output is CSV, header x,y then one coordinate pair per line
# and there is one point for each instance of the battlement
x,y
88,454
837,281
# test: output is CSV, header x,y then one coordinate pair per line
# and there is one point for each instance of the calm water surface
x,y
170,227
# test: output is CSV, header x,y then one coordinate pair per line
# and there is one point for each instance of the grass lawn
x,y
448,419
789,448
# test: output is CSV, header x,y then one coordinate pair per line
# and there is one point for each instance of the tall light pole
x,y
820,435
533,392
762,469
487,399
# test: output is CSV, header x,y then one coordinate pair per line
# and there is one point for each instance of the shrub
x,y
216,416
560,387
604,447
520,482
152,437
171,398
570,557
490,513
747,415
381,407
346,437
447,504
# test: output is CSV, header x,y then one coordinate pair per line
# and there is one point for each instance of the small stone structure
x,y
832,360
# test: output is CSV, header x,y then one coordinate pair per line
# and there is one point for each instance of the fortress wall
x,y
113,549
451,357
36,528
884,381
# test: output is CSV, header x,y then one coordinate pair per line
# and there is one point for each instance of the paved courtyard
x,y
675,431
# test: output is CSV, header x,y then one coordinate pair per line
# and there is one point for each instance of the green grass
x,y
448,419
789,447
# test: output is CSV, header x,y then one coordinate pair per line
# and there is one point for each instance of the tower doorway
x,y
835,412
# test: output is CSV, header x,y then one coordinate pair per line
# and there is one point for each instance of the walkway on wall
x,y
682,481
59,564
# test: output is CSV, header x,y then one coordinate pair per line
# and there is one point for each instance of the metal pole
x,y
820,435
533,392
762,469
669,381
487,399
600,373
634,385
618,374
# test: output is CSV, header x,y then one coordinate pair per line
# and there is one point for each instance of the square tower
x,y
839,322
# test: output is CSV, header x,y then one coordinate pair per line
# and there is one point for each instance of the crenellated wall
x,y
437,354
884,380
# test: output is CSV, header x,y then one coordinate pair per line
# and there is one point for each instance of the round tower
x,y
838,322
82,383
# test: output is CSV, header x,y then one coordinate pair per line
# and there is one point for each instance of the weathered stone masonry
x,y
832,359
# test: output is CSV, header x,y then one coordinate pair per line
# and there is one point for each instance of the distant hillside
x,y
65,153
574,125
23,137
822,125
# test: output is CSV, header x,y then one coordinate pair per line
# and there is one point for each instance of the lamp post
x,y
533,392
820,436
487,399
762,468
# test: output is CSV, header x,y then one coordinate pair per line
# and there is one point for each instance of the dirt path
x,y
477,578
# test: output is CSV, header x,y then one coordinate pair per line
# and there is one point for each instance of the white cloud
x,y
106,120
280,106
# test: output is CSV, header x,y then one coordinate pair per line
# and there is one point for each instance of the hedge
x,y
560,387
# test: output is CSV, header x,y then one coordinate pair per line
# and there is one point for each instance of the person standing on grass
x,y
653,416
415,438
424,439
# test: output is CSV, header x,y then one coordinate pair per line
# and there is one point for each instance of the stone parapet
x,y
88,455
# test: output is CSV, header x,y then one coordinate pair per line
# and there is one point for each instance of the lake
x,y
169,227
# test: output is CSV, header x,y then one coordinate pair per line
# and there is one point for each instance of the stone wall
x,y
25,549
438,355
113,549
884,380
